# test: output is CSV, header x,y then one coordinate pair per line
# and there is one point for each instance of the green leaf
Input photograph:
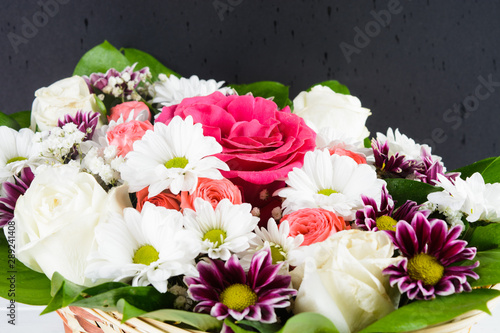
x,y
143,298
491,173
367,143
485,237
146,60
201,321
101,58
30,287
334,85
309,322
6,120
406,189
488,270
261,327
235,328
420,314
478,166
23,118
64,293
265,89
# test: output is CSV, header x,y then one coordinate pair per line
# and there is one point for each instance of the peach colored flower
x,y
316,224
164,199
213,191
124,110
124,135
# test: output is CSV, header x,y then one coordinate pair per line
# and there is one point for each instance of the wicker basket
x,y
83,320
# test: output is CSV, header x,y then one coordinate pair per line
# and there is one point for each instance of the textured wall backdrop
x,y
426,67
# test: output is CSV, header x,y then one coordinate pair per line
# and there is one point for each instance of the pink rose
x,y
316,224
164,199
124,135
261,144
125,108
213,191
360,159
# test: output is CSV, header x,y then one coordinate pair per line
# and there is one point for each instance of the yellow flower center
x,y
327,191
386,223
145,255
16,159
238,297
216,236
176,162
425,268
277,254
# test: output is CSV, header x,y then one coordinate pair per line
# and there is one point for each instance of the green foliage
x,y
201,321
485,237
146,60
420,314
101,58
265,89
23,118
309,322
31,287
489,268
334,85
406,189
6,120
489,168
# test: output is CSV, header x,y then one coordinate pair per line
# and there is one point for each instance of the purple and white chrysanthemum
x,y
430,249
383,216
428,170
392,165
11,192
86,122
122,84
225,290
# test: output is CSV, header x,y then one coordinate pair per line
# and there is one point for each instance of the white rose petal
x,y
56,217
322,107
343,279
66,96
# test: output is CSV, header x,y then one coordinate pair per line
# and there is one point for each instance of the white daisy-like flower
x,y
172,90
172,157
330,182
282,246
222,231
330,139
17,151
402,144
472,197
146,247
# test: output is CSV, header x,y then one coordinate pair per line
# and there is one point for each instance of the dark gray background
x,y
415,73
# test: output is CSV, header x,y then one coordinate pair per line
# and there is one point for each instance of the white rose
x,y
344,282
56,217
322,107
66,96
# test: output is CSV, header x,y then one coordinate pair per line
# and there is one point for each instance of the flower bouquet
x,y
136,200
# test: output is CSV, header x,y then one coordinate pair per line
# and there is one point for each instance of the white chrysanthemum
x,y
146,247
221,231
172,157
328,138
172,90
333,183
474,198
17,151
400,143
282,246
